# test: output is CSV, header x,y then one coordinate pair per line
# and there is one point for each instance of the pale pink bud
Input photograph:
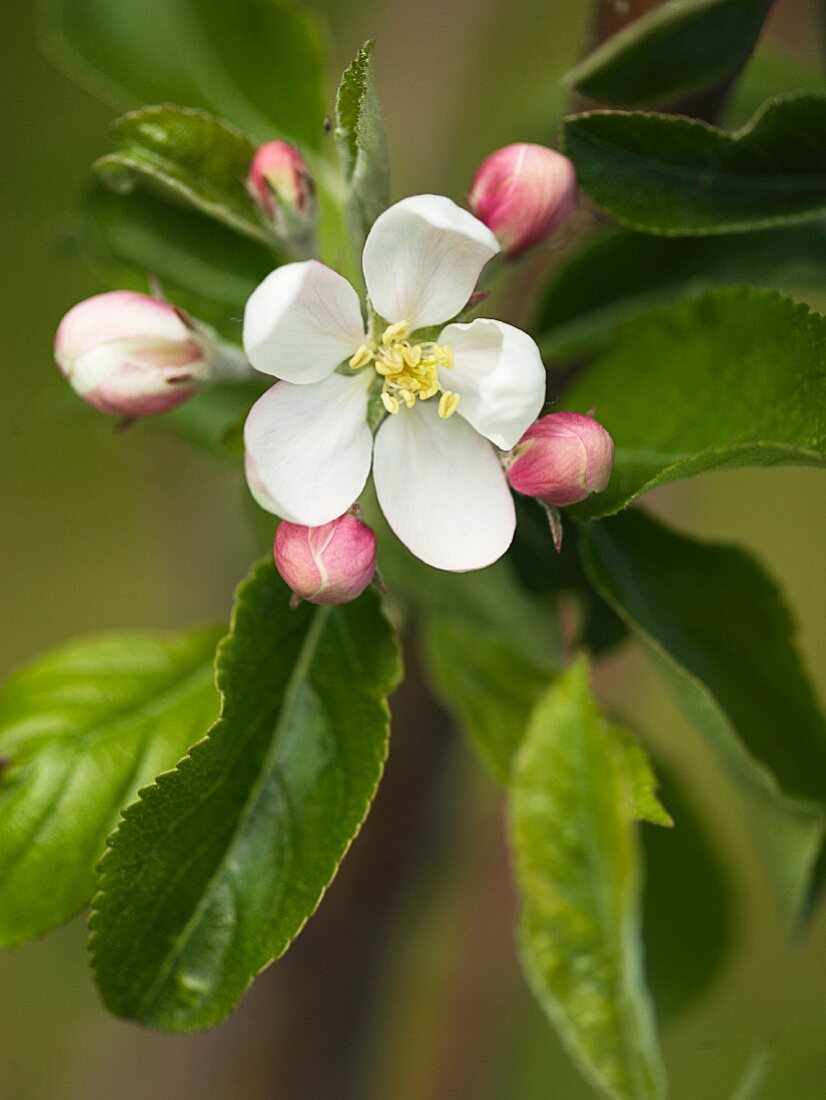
x,y
562,459
130,355
523,193
280,182
331,564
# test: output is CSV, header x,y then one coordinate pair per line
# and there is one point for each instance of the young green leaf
x,y
677,176
214,871
672,51
730,378
577,865
194,158
618,275
362,144
643,800
257,63
81,730
718,627
203,267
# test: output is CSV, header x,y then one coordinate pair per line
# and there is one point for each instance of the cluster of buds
x,y
562,459
331,564
523,193
281,186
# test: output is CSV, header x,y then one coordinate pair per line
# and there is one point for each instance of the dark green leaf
x,y
718,627
361,144
731,378
772,71
214,871
203,267
676,176
191,157
577,865
619,274
678,48
257,63
81,730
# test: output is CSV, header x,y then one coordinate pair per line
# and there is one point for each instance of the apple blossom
x,y
562,459
330,564
523,193
449,393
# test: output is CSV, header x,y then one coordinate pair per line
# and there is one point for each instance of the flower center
x,y
409,371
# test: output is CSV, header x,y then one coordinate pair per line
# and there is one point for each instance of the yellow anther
x,y
390,403
412,354
361,358
394,332
444,353
448,404
431,391
408,398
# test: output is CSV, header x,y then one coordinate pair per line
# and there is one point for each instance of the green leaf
x,y
362,144
641,783
490,688
257,63
214,871
678,48
618,275
718,628
577,865
731,378
212,419
772,71
203,267
81,730
677,176
191,157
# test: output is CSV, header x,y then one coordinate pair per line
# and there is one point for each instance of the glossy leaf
x,y
214,871
578,869
718,627
678,48
194,158
81,730
362,144
677,176
618,275
730,378
202,266
257,63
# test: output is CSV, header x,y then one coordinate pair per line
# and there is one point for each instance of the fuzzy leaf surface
x,y
81,730
578,869
719,629
676,176
211,875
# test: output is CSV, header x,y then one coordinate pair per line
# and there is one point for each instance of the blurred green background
x,y
103,530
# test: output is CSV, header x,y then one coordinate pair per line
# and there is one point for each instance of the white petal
x,y
422,259
442,489
499,373
301,322
310,447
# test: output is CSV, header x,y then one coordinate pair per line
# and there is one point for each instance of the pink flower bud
x,y
523,193
562,458
333,563
129,355
280,182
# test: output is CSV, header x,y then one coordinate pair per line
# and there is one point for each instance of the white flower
x,y
438,479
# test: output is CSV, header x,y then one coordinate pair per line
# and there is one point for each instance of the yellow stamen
x,y
448,404
389,402
394,332
361,358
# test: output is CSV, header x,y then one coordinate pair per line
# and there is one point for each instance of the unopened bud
x,y
280,183
130,355
331,564
562,459
523,193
